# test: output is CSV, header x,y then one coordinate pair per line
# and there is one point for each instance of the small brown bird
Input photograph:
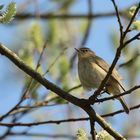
x,y
92,69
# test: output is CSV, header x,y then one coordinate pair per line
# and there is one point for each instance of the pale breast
x,y
90,74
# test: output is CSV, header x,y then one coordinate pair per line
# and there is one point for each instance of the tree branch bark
x,y
84,104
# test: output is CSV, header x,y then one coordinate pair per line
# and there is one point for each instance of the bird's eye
x,y
84,51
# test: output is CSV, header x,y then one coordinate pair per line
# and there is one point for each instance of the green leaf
x,y
103,135
32,91
81,134
131,61
35,96
10,12
115,40
64,69
53,33
136,25
65,4
64,65
132,10
36,35
27,56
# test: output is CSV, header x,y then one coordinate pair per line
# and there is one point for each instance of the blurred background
x,y
64,25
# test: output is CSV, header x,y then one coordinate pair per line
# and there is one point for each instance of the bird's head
x,y
84,52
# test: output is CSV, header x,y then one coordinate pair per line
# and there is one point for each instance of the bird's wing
x,y
101,63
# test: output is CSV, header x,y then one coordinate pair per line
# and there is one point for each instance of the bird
x,y
92,69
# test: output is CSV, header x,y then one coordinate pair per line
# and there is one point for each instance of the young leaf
x,y
10,12
132,10
103,135
136,25
81,134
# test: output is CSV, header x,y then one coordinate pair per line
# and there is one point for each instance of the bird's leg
x,y
106,89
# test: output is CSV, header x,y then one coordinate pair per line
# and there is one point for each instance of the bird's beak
x,y
76,49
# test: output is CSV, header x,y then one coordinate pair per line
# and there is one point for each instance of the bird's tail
x,y
116,88
124,104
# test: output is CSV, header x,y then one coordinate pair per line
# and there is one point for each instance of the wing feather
x,y
115,75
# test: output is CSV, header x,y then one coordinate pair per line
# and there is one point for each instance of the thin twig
x,y
21,16
131,21
27,89
130,61
40,123
84,104
43,104
120,111
37,66
73,88
117,56
119,95
55,60
118,17
92,127
132,39
66,120
49,68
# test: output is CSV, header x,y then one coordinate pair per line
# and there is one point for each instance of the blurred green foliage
x,y
131,58
103,135
60,36
63,34
10,12
81,134
36,35
64,4
34,44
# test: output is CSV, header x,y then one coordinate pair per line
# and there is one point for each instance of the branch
x,y
73,88
20,16
118,17
27,89
66,120
131,60
42,123
91,113
92,127
132,39
49,68
119,95
117,56
84,104
120,111
106,126
19,63
131,21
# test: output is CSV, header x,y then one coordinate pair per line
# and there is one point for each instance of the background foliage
x,y
35,25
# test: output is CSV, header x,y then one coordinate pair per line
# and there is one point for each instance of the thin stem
x,y
118,17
